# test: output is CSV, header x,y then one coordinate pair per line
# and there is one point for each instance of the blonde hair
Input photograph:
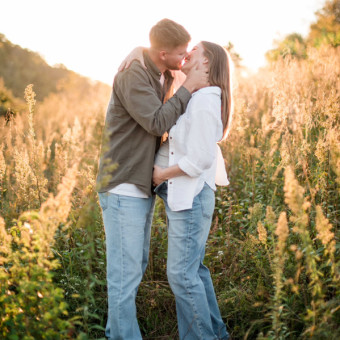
x,y
219,75
168,34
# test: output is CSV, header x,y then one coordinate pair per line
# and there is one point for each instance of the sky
x,y
92,37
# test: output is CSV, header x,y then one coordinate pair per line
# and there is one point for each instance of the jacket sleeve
x,y
140,99
200,143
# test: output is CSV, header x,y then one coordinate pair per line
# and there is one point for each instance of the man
x,y
136,119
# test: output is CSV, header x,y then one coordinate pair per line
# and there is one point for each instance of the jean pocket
x,y
103,200
160,187
207,200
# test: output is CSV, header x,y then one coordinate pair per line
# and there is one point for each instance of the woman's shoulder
x,y
206,97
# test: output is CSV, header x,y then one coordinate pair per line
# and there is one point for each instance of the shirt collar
x,y
209,89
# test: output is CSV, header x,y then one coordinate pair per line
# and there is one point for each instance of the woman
x,y
185,172
187,166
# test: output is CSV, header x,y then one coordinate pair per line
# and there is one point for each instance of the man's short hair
x,y
168,34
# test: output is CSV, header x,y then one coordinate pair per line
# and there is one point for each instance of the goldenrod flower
x,y
294,193
270,215
282,231
262,233
323,227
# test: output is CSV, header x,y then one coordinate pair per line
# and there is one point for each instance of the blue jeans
x,y
197,310
127,222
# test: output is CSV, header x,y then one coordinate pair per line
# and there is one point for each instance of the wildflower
x,y
255,212
58,208
293,247
270,215
323,227
24,178
262,233
282,231
284,151
289,281
334,137
297,251
298,254
253,239
274,140
294,193
321,150
306,205
29,96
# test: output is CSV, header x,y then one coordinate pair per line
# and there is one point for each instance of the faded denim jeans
x,y
197,310
127,222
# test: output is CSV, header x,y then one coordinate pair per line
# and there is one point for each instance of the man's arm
x,y
140,99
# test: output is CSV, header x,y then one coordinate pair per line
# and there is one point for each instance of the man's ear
x,y
162,55
205,61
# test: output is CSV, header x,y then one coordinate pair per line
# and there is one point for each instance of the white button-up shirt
x,y
193,146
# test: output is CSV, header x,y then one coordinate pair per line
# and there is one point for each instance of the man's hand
x,y
197,78
135,54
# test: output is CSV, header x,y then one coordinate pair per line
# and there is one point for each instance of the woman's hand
x,y
158,175
135,54
161,175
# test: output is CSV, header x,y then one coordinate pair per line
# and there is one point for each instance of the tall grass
x,y
273,248
283,159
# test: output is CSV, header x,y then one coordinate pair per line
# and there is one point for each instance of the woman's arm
x,y
163,174
200,142
135,54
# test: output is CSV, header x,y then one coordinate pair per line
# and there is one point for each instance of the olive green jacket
x,y
136,118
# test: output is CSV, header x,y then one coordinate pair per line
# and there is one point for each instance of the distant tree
x,y
326,30
293,45
9,105
20,67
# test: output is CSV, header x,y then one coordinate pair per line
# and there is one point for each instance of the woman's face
x,y
195,56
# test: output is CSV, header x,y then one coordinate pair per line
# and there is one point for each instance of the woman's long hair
x,y
219,75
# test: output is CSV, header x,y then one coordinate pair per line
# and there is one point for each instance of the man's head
x,y
169,41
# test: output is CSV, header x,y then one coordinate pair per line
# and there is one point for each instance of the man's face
x,y
173,58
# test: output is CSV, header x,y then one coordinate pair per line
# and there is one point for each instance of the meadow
x,y
273,250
